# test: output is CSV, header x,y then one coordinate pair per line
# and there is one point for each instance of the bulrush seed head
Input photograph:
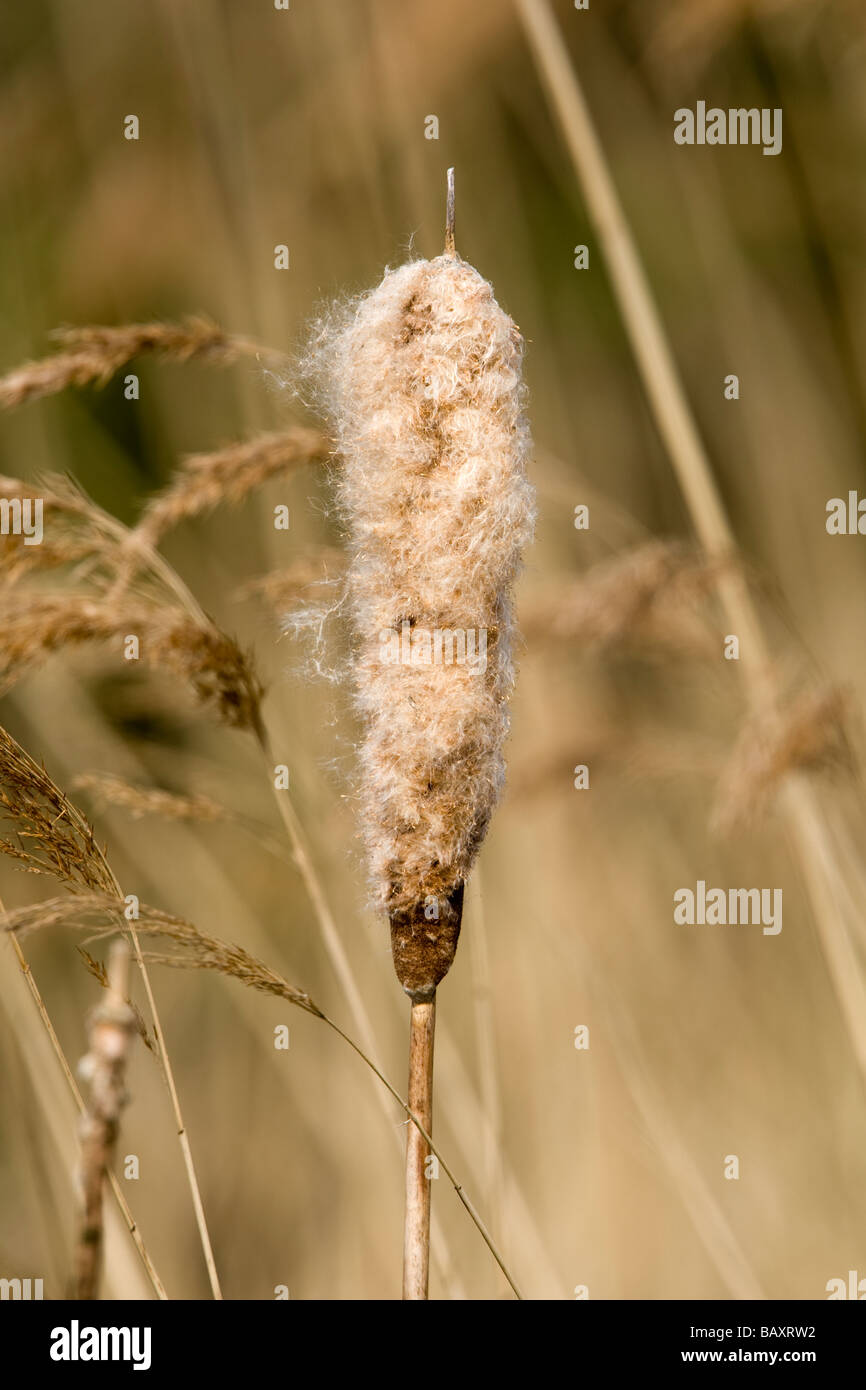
x,y
423,384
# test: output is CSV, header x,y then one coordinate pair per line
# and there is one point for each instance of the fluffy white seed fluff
x,y
423,382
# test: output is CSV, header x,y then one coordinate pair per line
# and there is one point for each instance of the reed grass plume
x,y
228,475
108,790
51,836
90,355
422,382
654,596
809,733
102,914
219,673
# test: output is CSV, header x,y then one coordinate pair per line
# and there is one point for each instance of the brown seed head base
x,y
423,949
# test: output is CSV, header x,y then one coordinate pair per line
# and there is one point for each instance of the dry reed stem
x,y
814,849
643,325
91,354
111,1029
117,1193
124,1276
54,838
416,1226
705,1212
461,1193
707,1215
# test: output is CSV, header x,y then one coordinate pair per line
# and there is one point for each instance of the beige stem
x,y
112,1027
416,1232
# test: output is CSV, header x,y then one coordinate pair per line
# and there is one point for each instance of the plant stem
x,y
111,1030
415,1120
416,1230
183,1137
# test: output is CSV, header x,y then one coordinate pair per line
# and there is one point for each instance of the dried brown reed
x,y
51,835
194,948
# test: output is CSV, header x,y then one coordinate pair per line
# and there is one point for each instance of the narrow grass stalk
x,y
808,831
416,1228
704,1210
485,1041
182,1136
174,1098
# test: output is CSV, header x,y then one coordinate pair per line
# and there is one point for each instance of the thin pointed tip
x,y
450,249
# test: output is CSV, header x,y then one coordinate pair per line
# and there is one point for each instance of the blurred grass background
x,y
306,127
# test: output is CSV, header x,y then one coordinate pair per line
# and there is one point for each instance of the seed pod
x,y
423,379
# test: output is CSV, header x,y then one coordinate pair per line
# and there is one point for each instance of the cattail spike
x,y
424,385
